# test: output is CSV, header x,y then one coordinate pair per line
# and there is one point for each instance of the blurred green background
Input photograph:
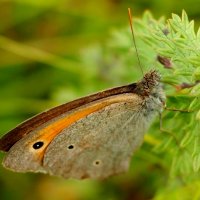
x,y
52,52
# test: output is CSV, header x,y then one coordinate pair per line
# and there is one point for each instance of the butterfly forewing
x,y
28,153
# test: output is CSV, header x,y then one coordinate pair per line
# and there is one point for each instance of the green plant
x,y
39,77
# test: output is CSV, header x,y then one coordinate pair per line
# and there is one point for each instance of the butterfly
x,y
91,137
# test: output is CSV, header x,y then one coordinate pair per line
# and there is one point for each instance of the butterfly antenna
x,y
133,36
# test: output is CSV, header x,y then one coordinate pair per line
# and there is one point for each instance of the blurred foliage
x,y
54,51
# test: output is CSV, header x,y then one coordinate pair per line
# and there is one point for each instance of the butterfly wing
x,y
100,135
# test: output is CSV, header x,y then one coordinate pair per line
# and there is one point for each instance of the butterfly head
x,y
150,86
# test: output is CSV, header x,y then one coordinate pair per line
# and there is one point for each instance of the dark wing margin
x,y
8,140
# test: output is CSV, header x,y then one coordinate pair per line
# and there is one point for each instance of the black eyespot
x,y
97,162
70,147
38,145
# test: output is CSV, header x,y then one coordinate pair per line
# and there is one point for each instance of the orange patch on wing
x,y
49,132
53,129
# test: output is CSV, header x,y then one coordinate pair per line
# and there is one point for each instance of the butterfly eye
x,y
70,146
38,145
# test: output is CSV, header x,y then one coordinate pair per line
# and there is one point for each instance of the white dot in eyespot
x,y
38,145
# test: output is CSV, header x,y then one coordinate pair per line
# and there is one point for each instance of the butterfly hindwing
x,y
98,145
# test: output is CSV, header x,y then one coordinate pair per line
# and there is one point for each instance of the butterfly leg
x,y
178,110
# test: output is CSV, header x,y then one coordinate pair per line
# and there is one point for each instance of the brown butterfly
x,y
91,137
